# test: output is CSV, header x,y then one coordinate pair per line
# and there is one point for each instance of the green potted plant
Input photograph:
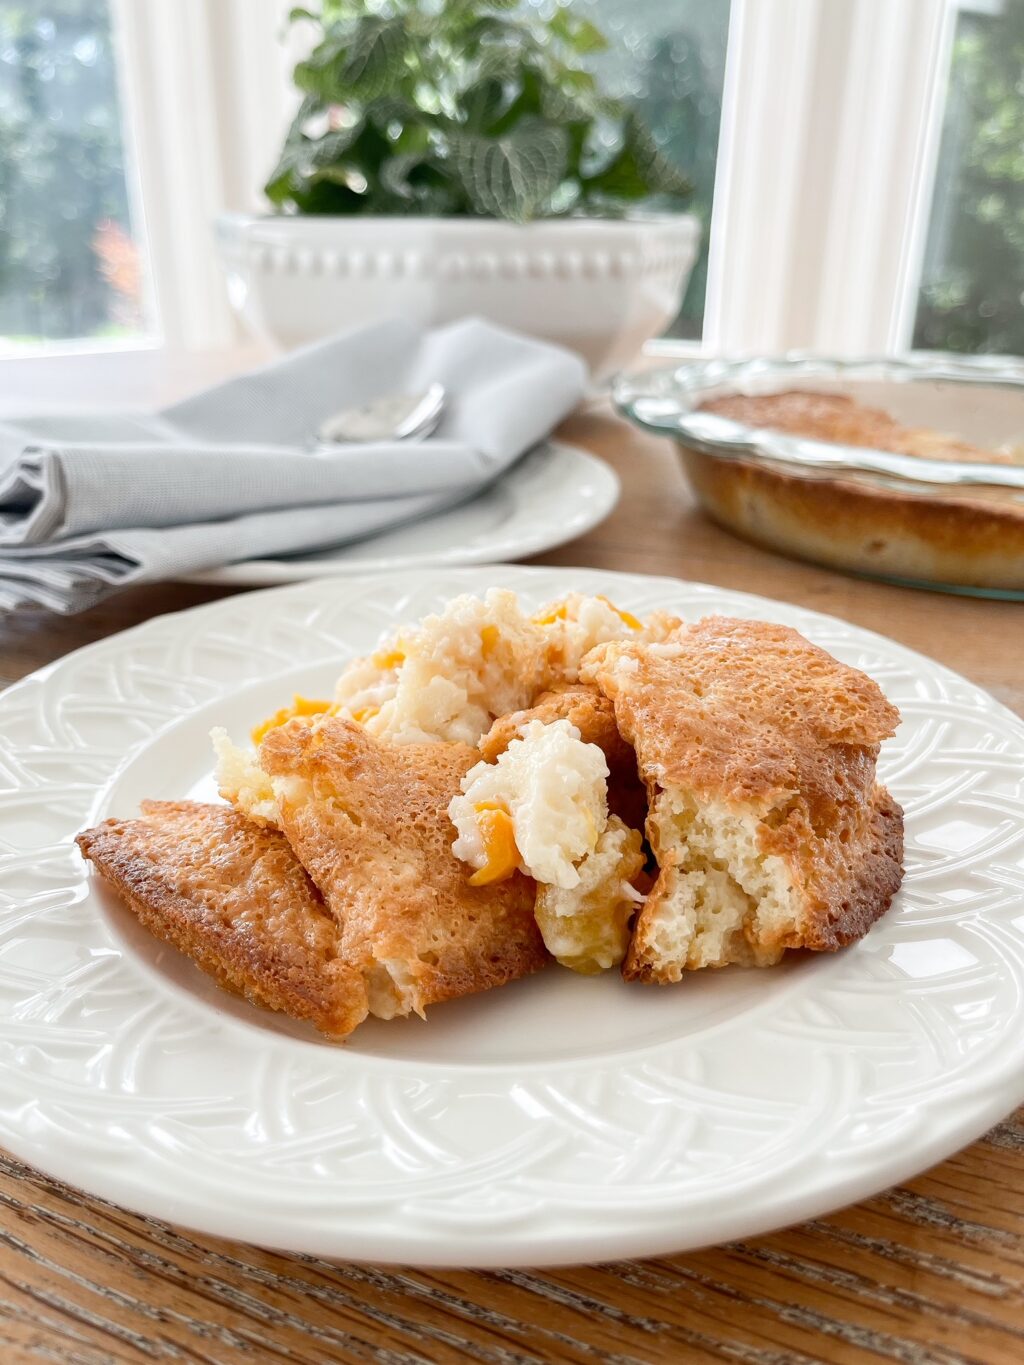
x,y
459,158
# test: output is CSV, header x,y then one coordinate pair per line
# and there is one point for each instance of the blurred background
x,y
858,168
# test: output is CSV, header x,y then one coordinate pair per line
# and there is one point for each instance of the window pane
x,y
668,57
972,284
70,262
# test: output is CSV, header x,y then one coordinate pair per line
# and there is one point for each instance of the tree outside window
x,y
69,261
972,287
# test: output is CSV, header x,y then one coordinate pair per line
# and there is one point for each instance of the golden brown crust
x,y
233,897
839,418
369,821
756,719
847,894
581,704
742,710
593,714
970,542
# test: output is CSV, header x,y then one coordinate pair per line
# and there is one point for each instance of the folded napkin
x,y
97,502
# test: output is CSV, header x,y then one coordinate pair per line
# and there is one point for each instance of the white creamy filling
x,y
554,787
587,928
446,678
242,781
451,675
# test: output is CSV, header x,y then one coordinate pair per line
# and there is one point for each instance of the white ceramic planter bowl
x,y
601,288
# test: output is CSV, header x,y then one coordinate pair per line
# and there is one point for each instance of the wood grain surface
x,y
929,1272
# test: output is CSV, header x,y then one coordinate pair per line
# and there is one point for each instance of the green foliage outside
x,y
67,265
684,105
667,57
471,107
972,295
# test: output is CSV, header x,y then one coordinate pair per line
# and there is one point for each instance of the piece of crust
x,y
839,418
233,897
972,541
758,750
580,703
593,714
369,820
860,896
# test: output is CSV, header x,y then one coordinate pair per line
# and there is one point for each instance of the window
x,y
71,263
972,281
858,167
668,56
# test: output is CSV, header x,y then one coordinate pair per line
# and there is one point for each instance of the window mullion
x,y
821,171
897,68
180,71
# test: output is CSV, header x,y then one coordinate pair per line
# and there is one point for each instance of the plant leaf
x,y
460,107
512,176
589,38
459,9
333,10
315,74
391,108
565,106
356,62
640,168
482,27
526,107
325,197
577,33
485,102
281,177
330,149
499,61
394,174
431,191
374,59
662,175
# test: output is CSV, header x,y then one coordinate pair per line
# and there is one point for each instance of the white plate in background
x,y
554,494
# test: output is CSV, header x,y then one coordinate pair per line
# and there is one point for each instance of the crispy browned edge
x,y
836,763
453,938
842,419
964,541
583,704
586,707
877,877
968,542
827,927
332,997
785,711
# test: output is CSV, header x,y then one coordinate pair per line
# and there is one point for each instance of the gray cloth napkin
x,y
97,502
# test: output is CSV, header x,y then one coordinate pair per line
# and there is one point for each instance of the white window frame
x,y
832,112
205,88
831,120
205,94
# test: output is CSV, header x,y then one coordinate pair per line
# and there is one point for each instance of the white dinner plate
x,y
559,1119
552,495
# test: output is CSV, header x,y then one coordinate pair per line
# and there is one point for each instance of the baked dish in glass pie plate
x,y
906,469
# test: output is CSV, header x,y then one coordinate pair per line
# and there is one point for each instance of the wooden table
x,y
931,1271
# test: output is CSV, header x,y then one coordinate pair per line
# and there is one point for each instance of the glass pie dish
x,y
955,522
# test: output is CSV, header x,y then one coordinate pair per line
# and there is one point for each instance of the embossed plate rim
x,y
514,1217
